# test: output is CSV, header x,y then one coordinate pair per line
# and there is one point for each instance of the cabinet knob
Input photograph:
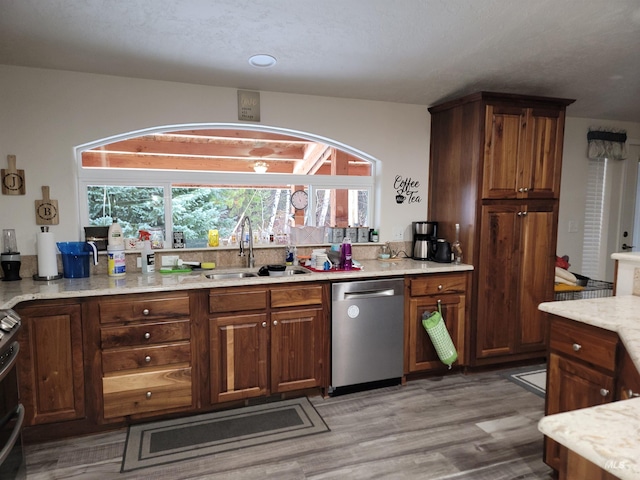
x,y
147,336
521,190
264,324
145,312
519,214
604,392
275,322
632,394
147,359
576,347
440,287
525,189
148,395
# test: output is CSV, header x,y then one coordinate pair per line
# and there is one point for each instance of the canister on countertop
x,y
116,261
363,234
352,233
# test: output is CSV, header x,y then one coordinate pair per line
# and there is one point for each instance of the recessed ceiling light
x,y
262,60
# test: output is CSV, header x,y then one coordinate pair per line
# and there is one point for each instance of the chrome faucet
x,y
251,261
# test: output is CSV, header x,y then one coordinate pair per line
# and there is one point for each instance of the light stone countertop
x,y
606,435
12,293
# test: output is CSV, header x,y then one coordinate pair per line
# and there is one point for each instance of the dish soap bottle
x,y
115,237
346,260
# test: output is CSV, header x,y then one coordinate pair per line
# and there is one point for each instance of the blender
x,y
10,257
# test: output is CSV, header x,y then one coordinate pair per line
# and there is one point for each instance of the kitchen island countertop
x,y
606,435
12,293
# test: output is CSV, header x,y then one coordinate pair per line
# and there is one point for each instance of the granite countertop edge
x,y
607,435
27,289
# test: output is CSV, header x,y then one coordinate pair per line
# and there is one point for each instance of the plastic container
x,y
76,258
115,238
148,260
116,261
213,238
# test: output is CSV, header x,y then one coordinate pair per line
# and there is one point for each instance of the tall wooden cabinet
x,y
495,167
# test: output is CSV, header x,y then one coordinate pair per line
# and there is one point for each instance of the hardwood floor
x,y
477,427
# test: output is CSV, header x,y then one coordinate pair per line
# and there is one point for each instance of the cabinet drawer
x,y
114,360
145,334
296,295
237,301
146,392
437,284
145,308
584,342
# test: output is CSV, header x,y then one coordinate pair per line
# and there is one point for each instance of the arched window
x,y
195,178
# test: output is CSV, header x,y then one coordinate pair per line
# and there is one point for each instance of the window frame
x,y
168,178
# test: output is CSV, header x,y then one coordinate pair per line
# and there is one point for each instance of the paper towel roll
x,y
47,255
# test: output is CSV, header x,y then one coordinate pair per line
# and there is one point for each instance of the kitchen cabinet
x,y
145,354
428,293
267,340
628,378
495,163
50,363
581,373
515,274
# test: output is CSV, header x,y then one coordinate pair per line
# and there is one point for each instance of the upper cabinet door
x,y
522,152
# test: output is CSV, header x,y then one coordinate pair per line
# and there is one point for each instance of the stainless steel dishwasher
x,y
366,331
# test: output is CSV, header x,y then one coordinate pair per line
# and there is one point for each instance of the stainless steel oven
x,y
12,463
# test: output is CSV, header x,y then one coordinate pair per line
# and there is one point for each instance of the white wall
x,y
573,194
44,114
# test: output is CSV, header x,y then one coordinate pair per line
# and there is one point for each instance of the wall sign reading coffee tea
x,y
406,190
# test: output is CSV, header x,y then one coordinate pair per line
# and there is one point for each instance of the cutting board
x,y
46,209
12,179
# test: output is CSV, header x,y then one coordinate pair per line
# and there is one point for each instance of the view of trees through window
x,y
196,210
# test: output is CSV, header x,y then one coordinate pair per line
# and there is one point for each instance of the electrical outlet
x,y
573,226
139,262
398,234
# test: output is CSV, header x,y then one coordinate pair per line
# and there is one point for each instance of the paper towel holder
x,y
47,277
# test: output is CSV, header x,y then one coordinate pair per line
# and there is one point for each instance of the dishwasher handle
x,y
389,292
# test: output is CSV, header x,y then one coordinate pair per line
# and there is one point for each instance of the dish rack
x,y
592,289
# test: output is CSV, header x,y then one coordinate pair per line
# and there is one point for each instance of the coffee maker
x,y
10,257
424,235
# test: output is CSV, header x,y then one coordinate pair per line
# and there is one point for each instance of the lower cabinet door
x,y
297,359
422,353
238,356
50,364
572,385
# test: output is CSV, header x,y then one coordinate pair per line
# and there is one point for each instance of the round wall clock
x,y
299,199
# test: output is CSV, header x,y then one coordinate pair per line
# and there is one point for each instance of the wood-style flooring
x,y
477,426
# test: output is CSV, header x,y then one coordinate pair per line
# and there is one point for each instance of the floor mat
x,y
533,378
174,440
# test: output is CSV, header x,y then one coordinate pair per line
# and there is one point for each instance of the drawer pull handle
x,y
145,312
147,359
275,323
576,347
440,287
604,392
147,336
264,324
148,395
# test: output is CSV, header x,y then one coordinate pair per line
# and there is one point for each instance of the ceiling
x,y
407,51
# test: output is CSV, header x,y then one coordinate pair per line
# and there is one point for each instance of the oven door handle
x,y
11,360
6,450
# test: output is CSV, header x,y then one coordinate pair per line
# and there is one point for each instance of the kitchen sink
x,y
228,275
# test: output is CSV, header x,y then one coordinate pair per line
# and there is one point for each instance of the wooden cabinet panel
x,y
237,300
238,356
144,392
582,342
296,296
628,378
515,274
50,364
143,307
422,353
297,359
118,359
437,285
146,333
572,385
542,172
